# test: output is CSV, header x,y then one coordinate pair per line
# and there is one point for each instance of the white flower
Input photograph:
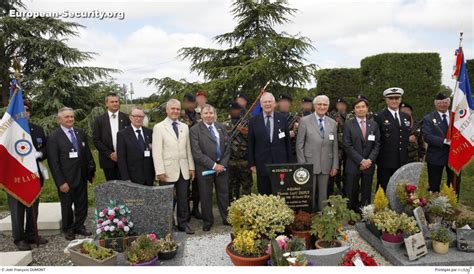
x,y
106,222
101,214
111,212
287,254
112,228
106,228
130,224
122,211
126,229
98,231
116,220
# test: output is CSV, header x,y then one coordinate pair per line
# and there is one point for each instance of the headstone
x,y
151,206
16,258
465,239
325,256
408,173
421,221
294,182
49,220
416,246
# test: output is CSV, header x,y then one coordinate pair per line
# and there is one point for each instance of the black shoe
x,y
225,222
83,231
69,235
206,228
23,245
195,212
186,229
41,241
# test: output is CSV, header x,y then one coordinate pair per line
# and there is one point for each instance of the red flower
x,y
366,259
410,188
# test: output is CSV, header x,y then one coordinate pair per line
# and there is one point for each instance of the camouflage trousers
x,y
240,177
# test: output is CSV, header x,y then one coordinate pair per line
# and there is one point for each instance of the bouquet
x,y
356,255
113,221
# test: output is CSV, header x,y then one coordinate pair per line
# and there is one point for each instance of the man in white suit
x,y
173,159
316,144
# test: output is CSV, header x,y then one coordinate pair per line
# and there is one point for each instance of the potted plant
x,y
167,248
441,239
439,208
114,226
393,225
367,213
255,219
411,196
282,250
88,254
301,227
328,224
143,251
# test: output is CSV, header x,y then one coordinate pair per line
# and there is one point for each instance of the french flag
x,y
18,169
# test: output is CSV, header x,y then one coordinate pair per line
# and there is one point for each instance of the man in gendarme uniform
x,y
239,174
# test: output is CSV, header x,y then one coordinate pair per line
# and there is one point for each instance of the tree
x,y
255,54
338,82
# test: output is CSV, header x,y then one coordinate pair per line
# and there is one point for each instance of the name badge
x,y
331,137
371,137
147,153
281,135
83,144
73,154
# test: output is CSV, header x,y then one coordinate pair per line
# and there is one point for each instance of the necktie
x,y
445,121
267,125
321,127
362,127
396,119
141,141
175,128
74,140
114,115
218,147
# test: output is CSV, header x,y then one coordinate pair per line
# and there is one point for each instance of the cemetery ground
x,y
213,242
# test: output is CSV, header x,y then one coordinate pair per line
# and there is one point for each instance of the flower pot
x,y
305,235
80,259
372,228
168,255
117,244
325,244
153,262
440,248
238,260
398,238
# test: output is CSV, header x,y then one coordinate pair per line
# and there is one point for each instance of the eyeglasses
x,y
138,116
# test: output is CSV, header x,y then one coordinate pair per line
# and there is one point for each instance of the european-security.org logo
x,y
94,14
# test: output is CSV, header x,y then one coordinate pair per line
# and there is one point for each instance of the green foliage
x,y
142,250
262,214
449,192
280,253
419,74
247,244
441,235
339,82
440,206
470,69
380,200
393,223
465,220
96,252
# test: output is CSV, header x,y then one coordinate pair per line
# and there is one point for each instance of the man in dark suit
x,y
435,126
23,235
269,142
394,127
72,165
361,145
134,151
210,152
104,135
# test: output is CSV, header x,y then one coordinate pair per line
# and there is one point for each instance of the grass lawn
x,y
49,191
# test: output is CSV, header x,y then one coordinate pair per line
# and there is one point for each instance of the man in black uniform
x,y
394,128
24,236
307,106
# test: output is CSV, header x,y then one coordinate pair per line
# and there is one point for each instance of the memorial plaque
x,y
294,182
421,221
416,246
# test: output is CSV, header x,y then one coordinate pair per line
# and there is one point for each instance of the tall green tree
x,y
252,54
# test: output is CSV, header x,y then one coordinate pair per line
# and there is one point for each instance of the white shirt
x,y
214,129
447,116
393,114
114,127
319,123
136,134
66,131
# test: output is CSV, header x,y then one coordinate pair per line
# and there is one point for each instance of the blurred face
x,y
173,111
136,117
268,103
406,110
442,105
27,112
284,106
321,107
188,105
208,116
341,107
66,119
361,109
201,100
393,102
241,101
307,106
235,113
113,103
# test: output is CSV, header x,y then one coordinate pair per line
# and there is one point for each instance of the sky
x,y
145,42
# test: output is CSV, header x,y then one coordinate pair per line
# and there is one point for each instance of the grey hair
x,y
267,94
136,107
208,106
172,102
63,109
320,98
447,99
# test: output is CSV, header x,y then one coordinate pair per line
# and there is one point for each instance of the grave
x,y
49,220
408,173
16,258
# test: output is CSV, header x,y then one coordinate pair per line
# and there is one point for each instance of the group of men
x,y
191,150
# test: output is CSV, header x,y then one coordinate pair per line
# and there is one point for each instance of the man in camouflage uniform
x,y
416,145
339,114
306,106
190,117
239,173
242,100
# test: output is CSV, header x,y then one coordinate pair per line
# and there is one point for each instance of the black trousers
x,y
435,174
181,188
73,220
17,210
383,176
264,185
194,197
112,174
359,184
206,186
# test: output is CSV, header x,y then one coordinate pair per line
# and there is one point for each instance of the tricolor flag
x,y
461,131
18,170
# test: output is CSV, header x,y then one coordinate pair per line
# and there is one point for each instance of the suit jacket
x,y
172,155
393,139
102,137
74,171
204,147
311,148
132,163
260,150
434,133
358,148
39,142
